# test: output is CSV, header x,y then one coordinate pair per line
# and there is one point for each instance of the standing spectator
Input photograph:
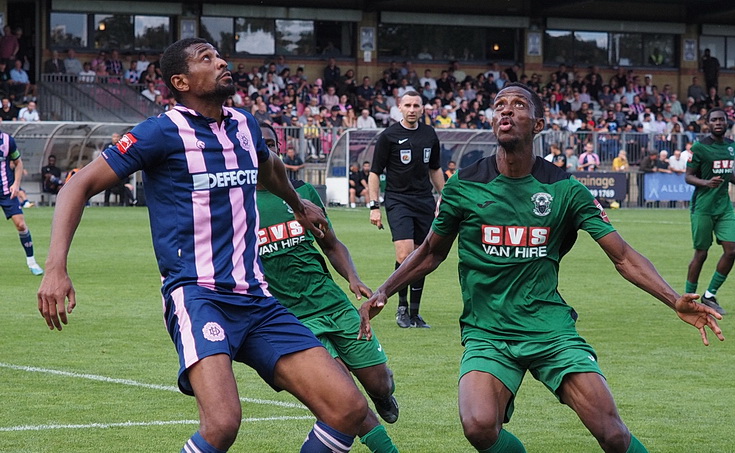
x,y
572,159
331,75
365,121
408,152
710,172
8,112
4,79
9,45
54,65
10,179
312,134
72,64
648,164
114,65
217,307
711,70
677,162
588,160
662,163
29,113
293,163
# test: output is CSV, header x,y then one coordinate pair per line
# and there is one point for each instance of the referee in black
x,y
408,152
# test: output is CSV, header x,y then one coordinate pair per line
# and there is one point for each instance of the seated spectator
x,y
349,120
29,113
8,112
381,111
87,75
20,85
151,92
620,163
357,189
72,64
114,65
54,65
124,190
99,60
51,175
443,120
150,75
132,75
365,121
451,169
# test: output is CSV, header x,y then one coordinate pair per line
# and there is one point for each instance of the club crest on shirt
x,y
427,155
243,140
212,331
542,203
406,156
125,142
731,150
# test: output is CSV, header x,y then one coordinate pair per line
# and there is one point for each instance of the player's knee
x,y
221,429
613,437
350,414
481,432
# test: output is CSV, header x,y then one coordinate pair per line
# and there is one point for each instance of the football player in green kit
x,y
515,216
709,171
298,277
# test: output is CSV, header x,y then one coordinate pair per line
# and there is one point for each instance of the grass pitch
x,y
107,381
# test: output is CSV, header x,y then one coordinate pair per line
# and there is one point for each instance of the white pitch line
x,y
169,388
129,424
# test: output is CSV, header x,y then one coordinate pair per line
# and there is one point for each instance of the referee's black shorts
x,y
409,216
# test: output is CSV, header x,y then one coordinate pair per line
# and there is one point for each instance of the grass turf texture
x,y
675,394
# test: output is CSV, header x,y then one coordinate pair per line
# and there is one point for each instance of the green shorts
x,y
548,361
338,332
722,225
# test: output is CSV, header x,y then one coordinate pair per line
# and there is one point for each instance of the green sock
x,y
717,281
378,441
690,287
635,446
506,443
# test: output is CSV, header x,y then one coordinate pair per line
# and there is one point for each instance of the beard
x,y
509,143
222,92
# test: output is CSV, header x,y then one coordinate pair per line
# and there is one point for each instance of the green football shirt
x,y
512,233
295,270
710,159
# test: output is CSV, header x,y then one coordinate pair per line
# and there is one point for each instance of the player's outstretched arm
x,y
56,286
418,264
272,175
638,270
340,258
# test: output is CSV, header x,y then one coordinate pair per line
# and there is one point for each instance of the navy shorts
x,y
409,216
256,331
10,206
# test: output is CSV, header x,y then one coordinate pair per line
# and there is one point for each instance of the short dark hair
x,y
174,61
538,105
715,109
410,93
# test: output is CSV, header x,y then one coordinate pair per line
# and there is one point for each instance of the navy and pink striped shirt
x,y
8,152
199,180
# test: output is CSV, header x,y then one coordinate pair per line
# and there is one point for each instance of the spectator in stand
x,y
365,121
19,83
51,175
572,159
711,69
72,64
648,163
662,163
100,74
292,162
365,93
114,64
86,75
143,63
150,92
358,182
349,120
381,111
712,100
150,76
620,163
444,85
677,162
4,79
29,113
444,121
54,65
8,112
696,91
100,59
9,45
330,98
331,74
588,160
132,75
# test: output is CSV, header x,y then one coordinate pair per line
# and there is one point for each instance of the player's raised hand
x,y
55,289
312,218
369,310
698,315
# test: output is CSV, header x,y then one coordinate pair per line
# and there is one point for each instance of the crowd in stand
x,y
580,105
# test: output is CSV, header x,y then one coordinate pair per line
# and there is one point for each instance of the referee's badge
x,y
406,156
427,155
